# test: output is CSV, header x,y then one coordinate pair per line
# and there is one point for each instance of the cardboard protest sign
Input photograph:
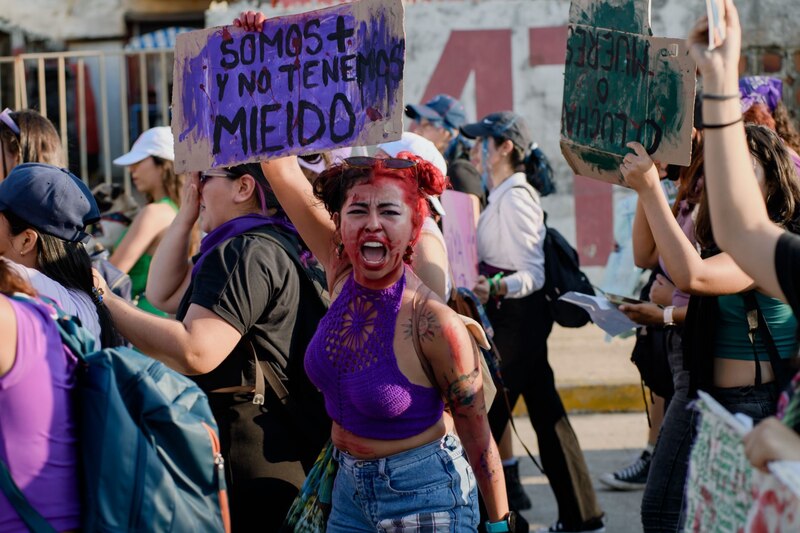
x,y
305,83
720,482
460,237
623,85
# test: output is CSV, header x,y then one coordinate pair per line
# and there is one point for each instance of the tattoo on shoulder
x,y
428,326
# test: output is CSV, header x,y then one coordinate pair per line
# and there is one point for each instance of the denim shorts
x,y
756,401
429,489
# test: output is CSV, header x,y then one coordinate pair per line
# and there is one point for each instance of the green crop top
x,y
732,341
141,269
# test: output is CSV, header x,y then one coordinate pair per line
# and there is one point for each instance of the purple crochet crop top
x,y
351,360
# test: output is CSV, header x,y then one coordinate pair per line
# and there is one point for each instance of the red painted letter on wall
x,y
488,54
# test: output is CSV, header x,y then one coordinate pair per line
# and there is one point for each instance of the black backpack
x,y
562,275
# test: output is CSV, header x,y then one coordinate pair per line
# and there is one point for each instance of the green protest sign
x,y
621,84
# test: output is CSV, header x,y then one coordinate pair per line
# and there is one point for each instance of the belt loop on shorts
x,y
381,466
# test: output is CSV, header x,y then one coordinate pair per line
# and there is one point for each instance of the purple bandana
x,y
233,228
760,90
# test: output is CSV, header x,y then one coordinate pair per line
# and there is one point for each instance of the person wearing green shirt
x,y
150,161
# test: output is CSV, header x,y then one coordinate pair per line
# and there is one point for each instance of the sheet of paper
x,y
603,313
716,22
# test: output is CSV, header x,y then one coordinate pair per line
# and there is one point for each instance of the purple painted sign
x,y
305,83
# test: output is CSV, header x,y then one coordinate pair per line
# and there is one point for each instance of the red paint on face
x,y
376,227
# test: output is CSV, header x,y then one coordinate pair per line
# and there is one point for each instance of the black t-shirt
x,y
787,268
465,178
252,284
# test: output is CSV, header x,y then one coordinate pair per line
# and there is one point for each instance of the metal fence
x,y
134,90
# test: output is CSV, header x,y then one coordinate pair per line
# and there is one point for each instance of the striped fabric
x,y
419,523
163,38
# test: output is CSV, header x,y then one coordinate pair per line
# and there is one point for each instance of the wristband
x,y
721,96
494,283
668,319
725,125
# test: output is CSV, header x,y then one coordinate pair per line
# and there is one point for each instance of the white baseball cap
x,y
420,147
153,142
316,163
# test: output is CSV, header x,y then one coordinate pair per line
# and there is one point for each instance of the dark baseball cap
x,y
441,108
505,124
51,199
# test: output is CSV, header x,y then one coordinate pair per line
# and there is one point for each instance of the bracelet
x,y
718,126
668,320
494,283
97,295
720,96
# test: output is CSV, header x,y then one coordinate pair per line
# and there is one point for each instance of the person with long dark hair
x,y
510,238
765,249
44,212
718,350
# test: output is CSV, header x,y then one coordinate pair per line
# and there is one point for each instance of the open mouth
x,y
373,253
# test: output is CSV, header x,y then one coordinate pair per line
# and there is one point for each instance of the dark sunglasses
x,y
372,162
217,173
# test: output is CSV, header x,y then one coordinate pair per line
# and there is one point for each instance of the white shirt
x,y
511,235
72,302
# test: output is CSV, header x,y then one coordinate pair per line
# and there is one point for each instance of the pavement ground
x,y
602,391
609,441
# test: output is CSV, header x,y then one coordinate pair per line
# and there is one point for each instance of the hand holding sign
x,y
622,85
720,66
299,84
638,169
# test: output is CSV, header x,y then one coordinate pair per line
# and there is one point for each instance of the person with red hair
x,y
388,351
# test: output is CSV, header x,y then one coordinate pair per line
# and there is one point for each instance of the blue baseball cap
x,y
441,108
505,124
51,199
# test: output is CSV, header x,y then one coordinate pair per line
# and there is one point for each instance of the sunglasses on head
x,y
5,118
372,162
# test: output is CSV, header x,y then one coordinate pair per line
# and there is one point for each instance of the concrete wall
x,y
494,54
71,20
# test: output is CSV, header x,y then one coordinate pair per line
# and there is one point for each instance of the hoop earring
x,y
409,253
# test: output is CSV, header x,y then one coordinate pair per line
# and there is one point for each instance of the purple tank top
x,y
38,437
351,360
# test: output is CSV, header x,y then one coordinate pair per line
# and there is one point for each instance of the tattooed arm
x,y
454,359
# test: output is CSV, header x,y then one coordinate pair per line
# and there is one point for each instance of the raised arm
x,y
689,272
645,254
170,270
430,263
454,359
741,226
308,215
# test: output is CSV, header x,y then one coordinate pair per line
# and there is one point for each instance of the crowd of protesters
x,y
329,275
